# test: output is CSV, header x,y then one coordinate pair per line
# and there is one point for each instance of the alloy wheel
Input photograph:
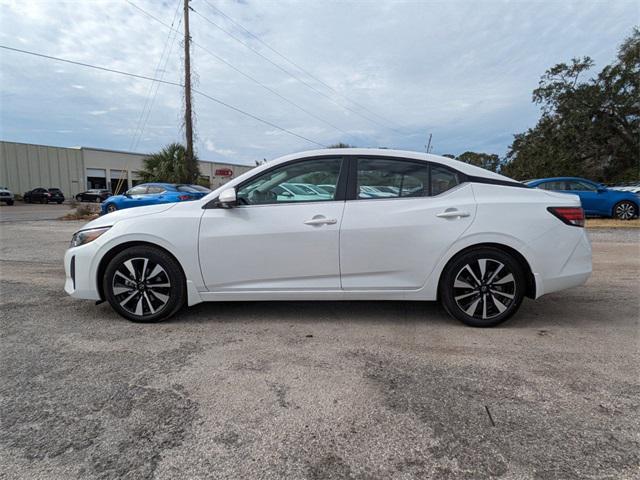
x,y
142,287
484,288
625,211
111,208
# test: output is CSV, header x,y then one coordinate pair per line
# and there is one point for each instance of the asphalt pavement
x,y
315,390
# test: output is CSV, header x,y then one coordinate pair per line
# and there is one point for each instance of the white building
x,y
25,166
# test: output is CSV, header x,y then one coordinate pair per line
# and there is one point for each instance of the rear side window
x,y
388,178
443,179
553,186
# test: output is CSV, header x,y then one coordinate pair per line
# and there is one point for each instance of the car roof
x,y
383,152
561,179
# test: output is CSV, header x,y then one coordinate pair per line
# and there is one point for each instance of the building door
x,y
96,178
119,181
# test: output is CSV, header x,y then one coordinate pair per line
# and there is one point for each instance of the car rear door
x,y
395,242
274,243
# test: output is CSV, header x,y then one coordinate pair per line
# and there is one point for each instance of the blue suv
x,y
153,194
596,199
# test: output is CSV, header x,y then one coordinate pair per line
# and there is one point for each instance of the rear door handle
x,y
452,213
320,220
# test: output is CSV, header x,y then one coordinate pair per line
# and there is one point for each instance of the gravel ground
x,y
316,390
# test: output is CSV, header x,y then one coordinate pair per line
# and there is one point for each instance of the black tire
x,y
482,300
59,202
111,208
145,302
625,210
10,202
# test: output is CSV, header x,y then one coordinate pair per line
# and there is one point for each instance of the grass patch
x,y
83,212
612,223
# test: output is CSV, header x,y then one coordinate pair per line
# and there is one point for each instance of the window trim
x,y
341,184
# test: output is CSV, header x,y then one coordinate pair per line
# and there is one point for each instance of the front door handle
x,y
452,213
320,220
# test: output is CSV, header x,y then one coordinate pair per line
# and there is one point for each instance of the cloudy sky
x,y
374,73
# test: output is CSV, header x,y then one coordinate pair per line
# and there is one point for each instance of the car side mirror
x,y
602,190
227,198
287,194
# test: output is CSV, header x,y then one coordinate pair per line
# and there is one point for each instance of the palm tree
x,y
168,165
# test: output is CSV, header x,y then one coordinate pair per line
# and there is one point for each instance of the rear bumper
x,y
554,276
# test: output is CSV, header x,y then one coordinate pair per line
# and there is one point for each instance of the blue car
x,y
153,194
596,199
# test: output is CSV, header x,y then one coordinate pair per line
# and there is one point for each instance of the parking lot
x,y
314,389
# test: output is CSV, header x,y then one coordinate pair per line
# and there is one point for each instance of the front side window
x,y
581,186
382,178
138,190
155,189
293,182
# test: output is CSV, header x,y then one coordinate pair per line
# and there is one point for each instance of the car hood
x,y
114,217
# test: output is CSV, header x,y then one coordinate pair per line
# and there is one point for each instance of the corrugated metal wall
x,y
25,166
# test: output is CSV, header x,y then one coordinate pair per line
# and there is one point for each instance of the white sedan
x,y
477,241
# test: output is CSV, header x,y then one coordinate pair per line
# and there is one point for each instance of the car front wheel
x,y
111,208
483,287
625,211
144,284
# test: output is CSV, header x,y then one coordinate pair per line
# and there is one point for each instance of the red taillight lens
x,y
184,197
569,215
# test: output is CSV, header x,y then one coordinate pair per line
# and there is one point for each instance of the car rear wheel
x,y
111,208
625,210
483,287
144,284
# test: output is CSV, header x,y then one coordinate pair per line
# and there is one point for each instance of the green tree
x,y
589,126
340,145
488,161
168,165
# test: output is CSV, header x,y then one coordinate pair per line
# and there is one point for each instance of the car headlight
x,y
87,236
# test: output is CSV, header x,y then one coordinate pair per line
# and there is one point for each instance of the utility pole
x,y
188,121
429,142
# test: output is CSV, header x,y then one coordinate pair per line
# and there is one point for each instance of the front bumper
x,y
80,279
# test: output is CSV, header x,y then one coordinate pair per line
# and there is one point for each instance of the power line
x,y
167,82
287,59
292,75
244,74
151,94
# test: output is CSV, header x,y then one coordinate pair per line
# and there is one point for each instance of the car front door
x,y
592,201
271,242
394,242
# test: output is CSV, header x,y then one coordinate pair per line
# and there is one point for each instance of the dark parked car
x,y
44,195
95,195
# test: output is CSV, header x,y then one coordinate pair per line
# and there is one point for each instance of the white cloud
x,y
211,147
462,70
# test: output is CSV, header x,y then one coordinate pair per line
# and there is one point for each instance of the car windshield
x,y
186,188
200,188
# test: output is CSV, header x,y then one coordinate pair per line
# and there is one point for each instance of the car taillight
x,y
569,215
184,197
